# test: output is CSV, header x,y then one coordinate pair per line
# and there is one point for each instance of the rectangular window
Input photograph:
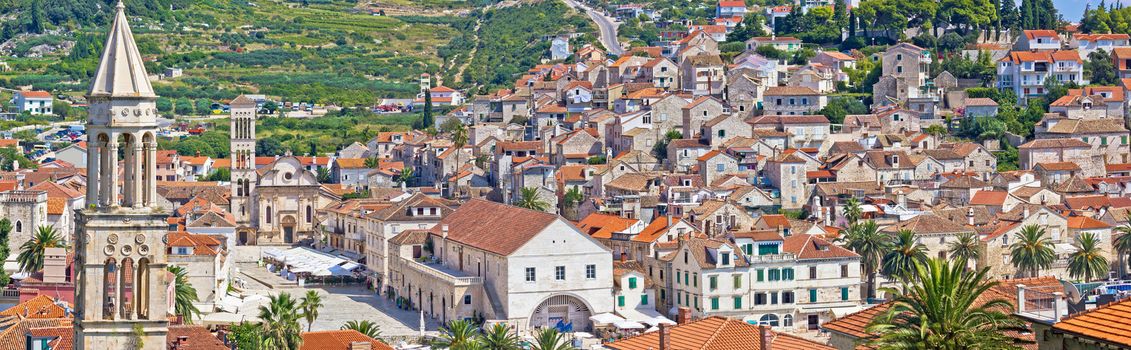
x,y
812,295
695,281
644,299
787,274
530,274
715,303
726,259
844,293
590,271
467,299
737,281
738,303
686,279
812,272
787,297
719,167
559,273
775,275
677,273
760,299
678,298
620,301
773,298
761,276
714,282
843,271
632,283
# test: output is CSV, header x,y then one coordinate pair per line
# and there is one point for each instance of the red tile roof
x,y
716,333
989,198
338,340
806,246
1109,324
602,226
35,94
494,227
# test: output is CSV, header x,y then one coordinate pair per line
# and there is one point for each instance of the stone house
x,y
1056,150
715,165
699,111
793,100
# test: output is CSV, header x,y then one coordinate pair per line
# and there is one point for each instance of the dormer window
x,y
725,258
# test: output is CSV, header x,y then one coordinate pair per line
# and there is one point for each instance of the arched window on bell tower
x,y
109,289
142,289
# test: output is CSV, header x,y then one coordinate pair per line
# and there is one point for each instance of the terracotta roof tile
x,y
1110,324
494,227
338,340
716,333
602,226
198,338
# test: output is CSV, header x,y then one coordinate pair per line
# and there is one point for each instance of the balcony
x,y
443,273
771,258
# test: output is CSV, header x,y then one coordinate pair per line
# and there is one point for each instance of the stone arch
x,y
129,149
19,226
142,304
565,307
126,284
267,214
107,161
109,288
149,168
309,214
769,320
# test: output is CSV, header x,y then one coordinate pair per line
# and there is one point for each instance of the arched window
x,y
309,214
787,321
769,320
239,188
127,286
109,289
19,226
142,289
267,214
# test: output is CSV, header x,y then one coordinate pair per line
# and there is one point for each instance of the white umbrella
x,y
605,318
653,329
629,325
659,320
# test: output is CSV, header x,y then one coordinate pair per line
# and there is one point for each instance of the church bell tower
x,y
243,177
122,297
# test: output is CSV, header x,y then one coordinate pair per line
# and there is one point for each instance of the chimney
x,y
1020,298
360,345
665,335
765,338
181,342
623,256
444,231
684,315
1059,307
970,216
895,161
1026,213
669,220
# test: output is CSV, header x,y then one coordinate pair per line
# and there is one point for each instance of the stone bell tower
x,y
122,297
244,177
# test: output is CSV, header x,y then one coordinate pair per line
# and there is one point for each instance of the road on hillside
x,y
606,25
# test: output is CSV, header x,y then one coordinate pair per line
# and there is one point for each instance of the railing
x,y
771,258
437,273
23,196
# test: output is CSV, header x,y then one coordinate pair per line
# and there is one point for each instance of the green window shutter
x,y
715,303
697,303
620,301
1103,141
844,293
695,281
767,249
632,283
738,303
644,299
812,295
775,275
761,276
737,281
678,298
1123,139
747,248
787,273
686,278
714,282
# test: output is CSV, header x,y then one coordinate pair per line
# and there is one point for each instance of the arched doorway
x,y
289,229
564,310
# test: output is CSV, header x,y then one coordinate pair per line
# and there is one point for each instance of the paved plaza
x,y
340,303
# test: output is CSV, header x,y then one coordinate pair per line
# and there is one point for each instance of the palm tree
x,y
852,210
405,176
1121,244
372,162
528,199
964,249
311,302
940,308
31,252
184,294
366,327
550,339
499,337
1032,251
905,253
458,334
281,322
865,239
1088,261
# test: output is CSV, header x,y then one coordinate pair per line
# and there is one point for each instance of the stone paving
x,y
341,303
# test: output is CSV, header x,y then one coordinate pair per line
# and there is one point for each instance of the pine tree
x,y
427,109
